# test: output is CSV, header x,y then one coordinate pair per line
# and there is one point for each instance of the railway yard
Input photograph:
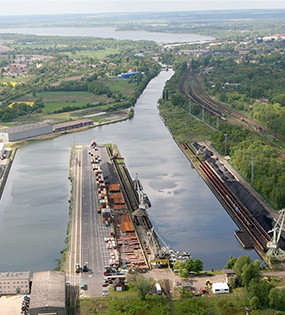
x,y
193,89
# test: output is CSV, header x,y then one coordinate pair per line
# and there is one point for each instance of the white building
x,y
2,149
14,283
220,287
25,132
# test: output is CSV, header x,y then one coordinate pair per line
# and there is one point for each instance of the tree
x,y
250,271
142,285
189,265
183,273
240,263
231,262
277,298
254,303
198,265
260,289
178,264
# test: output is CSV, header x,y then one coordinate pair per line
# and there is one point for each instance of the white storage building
x,y
25,132
220,287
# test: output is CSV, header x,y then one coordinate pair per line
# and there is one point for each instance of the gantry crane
x,y
161,252
274,249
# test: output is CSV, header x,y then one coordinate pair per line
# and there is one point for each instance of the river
x,y
34,206
108,32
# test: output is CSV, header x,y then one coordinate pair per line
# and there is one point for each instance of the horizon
x,y
75,7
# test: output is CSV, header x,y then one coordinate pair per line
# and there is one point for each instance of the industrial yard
x,y
111,232
251,214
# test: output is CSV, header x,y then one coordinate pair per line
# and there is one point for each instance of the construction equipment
x,y
274,249
208,284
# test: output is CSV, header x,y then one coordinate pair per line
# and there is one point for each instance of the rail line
x,y
216,108
244,217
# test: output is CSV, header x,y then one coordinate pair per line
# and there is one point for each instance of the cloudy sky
x,y
27,7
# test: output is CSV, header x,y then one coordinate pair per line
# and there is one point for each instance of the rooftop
x,y
73,123
48,289
14,275
23,128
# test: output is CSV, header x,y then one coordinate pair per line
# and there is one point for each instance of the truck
x,y
157,289
77,268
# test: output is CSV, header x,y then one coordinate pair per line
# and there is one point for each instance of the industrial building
x,y
72,125
2,149
48,293
14,282
24,132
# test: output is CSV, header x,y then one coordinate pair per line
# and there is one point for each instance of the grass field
x,y
100,54
120,85
20,79
59,99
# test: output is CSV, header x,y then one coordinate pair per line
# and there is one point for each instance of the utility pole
x,y
252,169
189,106
203,114
217,123
225,143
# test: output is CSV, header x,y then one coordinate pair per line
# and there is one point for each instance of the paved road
x,y
87,237
94,251
75,246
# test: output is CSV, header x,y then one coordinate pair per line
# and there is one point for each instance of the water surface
x,y
34,206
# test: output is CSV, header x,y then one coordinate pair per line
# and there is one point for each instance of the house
x,y
119,285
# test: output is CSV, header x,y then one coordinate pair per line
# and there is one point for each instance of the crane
x,y
274,249
161,252
143,199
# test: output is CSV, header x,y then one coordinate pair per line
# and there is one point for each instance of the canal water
x,y
34,206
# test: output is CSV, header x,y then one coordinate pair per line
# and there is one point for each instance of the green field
x,y
99,54
20,79
120,85
59,99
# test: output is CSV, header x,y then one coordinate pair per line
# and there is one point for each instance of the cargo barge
x,y
239,213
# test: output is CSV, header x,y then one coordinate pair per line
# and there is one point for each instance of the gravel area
x,y
11,305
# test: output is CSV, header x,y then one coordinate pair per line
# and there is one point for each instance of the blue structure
x,y
128,74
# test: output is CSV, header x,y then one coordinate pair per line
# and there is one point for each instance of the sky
x,y
31,7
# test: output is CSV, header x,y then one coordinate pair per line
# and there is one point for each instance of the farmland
x,y
74,76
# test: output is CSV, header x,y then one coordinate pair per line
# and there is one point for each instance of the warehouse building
x,y
25,132
72,125
14,283
48,293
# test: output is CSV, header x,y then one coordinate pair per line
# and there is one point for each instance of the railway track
x,y
193,90
233,205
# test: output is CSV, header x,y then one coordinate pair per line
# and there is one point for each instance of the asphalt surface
x,y
87,245
93,248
